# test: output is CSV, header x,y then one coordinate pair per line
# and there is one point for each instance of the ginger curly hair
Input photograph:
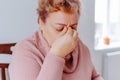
x,y
48,6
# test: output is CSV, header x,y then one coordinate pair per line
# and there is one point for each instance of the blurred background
x,y
99,29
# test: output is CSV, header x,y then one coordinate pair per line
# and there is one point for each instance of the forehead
x,y
62,17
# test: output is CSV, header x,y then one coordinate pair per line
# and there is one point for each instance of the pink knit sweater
x,y
31,60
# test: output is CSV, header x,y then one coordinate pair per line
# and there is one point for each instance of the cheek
x,y
54,35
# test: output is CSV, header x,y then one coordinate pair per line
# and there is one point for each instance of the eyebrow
x,y
66,24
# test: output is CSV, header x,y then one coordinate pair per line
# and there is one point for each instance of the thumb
x,y
64,31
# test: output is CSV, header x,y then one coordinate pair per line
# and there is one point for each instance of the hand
x,y
66,43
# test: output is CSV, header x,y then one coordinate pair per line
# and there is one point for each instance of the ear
x,y
40,21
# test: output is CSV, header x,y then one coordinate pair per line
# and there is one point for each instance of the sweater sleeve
x,y
25,67
52,68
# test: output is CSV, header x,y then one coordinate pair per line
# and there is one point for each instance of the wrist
x,y
57,53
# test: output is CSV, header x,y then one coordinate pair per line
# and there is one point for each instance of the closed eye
x,y
74,27
60,28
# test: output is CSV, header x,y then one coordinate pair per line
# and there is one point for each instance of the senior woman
x,y
54,52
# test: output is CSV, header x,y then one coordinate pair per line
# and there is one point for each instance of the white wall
x,y
18,19
86,33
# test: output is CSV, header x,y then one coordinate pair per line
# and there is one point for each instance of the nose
x,y
68,26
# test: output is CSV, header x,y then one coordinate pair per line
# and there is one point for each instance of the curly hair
x,y
48,6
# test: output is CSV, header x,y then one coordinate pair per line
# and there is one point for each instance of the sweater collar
x,y
71,60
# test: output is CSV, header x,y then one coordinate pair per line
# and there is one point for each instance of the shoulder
x,y
85,52
27,50
27,45
83,47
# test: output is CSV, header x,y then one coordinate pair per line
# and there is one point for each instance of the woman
x,y
54,52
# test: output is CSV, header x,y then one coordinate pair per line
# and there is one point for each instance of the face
x,y
56,22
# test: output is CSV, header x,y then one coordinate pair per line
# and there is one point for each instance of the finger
x,y
64,31
75,35
70,31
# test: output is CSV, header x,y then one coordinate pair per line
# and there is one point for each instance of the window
x,y
107,24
